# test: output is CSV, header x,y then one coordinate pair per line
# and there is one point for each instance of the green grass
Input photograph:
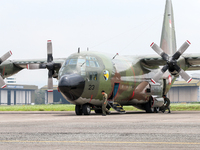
x,y
185,107
38,108
62,107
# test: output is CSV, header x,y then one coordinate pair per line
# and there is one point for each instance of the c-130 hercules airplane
x,y
128,80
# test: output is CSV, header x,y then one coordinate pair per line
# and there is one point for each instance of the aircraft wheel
x,y
86,109
148,107
78,110
98,111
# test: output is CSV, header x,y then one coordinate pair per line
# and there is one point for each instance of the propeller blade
x,y
50,81
185,76
2,83
50,90
159,51
50,66
50,97
181,50
49,51
5,56
50,84
159,74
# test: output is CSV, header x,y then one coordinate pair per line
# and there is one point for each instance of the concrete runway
x,y
133,130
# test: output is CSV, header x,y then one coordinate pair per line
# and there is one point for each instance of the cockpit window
x,y
73,62
91,62
87,63
96,64
81,61
67,61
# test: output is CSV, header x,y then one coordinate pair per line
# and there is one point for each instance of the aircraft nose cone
x,y
71,86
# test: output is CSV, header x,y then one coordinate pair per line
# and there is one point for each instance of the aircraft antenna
x,y
115,55
79,50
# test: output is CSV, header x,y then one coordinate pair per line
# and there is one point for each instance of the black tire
x,y
98,111
86,109
148,105
156,109
78,110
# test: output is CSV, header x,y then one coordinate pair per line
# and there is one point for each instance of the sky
x,y
127,27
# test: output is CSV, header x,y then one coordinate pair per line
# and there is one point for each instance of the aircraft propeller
x,y
171,64
51,66
2,59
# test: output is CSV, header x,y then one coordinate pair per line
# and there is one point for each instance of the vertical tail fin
x,y
168,37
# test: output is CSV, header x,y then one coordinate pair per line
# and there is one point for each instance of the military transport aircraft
x,y
139,81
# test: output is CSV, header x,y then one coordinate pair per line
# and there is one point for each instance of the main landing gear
x,y
150,109
84,109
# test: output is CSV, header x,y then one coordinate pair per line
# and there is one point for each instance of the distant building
x,y
15,94
57,96
182,92
11,80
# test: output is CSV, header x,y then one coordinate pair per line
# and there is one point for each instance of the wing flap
x,y
192,60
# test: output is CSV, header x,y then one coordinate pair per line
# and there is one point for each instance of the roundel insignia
x,y
106,75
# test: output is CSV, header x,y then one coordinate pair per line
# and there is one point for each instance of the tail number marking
x,y
91,87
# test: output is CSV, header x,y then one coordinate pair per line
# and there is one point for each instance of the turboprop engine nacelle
x,y
157,101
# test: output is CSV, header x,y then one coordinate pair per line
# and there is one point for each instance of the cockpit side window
x,y
67,61
93,76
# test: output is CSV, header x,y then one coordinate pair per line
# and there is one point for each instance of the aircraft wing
x,y
152,61
191,60
24,63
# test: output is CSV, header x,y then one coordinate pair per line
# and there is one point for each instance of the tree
x,y
39,97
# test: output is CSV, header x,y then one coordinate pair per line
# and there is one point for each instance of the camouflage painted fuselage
x,y
132,79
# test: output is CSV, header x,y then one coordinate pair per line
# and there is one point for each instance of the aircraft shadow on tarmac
x,y
71,113
132,112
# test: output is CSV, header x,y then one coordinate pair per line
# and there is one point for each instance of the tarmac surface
x,y
133,130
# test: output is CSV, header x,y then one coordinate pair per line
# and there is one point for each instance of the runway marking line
x,y
100,142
